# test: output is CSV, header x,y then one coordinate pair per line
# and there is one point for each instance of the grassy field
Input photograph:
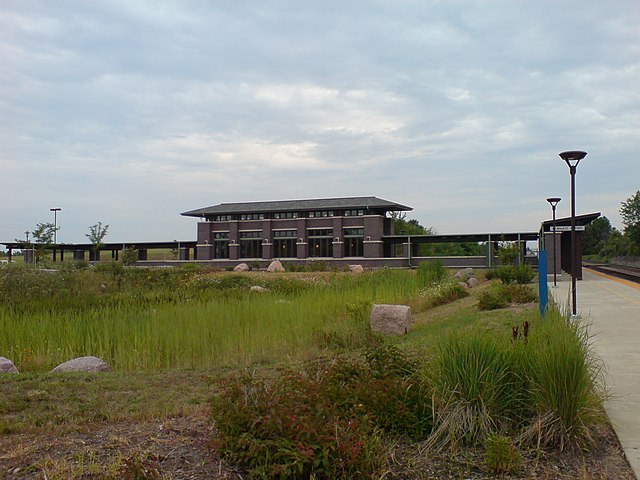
x,y
174,335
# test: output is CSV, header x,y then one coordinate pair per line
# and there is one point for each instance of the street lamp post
x,y
55,229
553,201
572,159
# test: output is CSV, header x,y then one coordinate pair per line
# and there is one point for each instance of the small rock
x,y
463,285
242,267
83,364
258,288
391,319
472,282
7,366
357,269
275,266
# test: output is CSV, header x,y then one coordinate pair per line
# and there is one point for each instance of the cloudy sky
x,y
129,112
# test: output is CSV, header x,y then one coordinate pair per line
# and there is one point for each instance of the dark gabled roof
x,y
298,206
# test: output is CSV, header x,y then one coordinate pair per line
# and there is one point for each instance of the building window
x,y
284,234
222,218
284,244
252,216
221,235
321,242
353,242
322,213
251,244
221,249
285,248
353,213
284,215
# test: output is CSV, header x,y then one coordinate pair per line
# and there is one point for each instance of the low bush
x,y
494,297
522,293
515,274
502,456
442,293
500,295
325,422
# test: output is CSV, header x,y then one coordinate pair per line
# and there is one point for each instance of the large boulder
x,y
472,282
464,274
7,366
391,319
83,364
275,266
241,267
356,269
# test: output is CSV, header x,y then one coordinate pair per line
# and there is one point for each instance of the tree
x,y
44,233
596,236
43,236
630,212
97,234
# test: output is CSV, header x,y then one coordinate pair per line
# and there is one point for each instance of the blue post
x,y
542,282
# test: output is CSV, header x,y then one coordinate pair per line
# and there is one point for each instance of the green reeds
x,y
547,388
157,320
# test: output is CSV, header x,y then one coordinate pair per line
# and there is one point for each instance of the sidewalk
x,y
612,309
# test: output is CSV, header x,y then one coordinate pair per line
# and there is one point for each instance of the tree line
x,y
604,242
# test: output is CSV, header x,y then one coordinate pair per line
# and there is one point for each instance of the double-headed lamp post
x,y
55,230
553,201
572,159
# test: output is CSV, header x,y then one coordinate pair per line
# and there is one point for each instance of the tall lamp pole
x,y
572,159
55,230
553,201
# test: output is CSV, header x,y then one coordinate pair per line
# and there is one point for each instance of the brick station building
x,y
330,228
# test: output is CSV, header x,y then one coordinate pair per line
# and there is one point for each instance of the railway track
x,y
621,271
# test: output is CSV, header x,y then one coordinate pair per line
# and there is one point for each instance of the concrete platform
x,y
611,308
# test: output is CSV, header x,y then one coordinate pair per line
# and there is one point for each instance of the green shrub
x,y
442,293
114,268
291,429
501,455
515,274
500,295
325,422
129,256
519,293
431,273
494,297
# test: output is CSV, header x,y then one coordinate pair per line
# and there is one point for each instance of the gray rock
x,y
356,269
242,267
258,288
275,266
391,319
464,274
83,364
7,366
472,282
463,284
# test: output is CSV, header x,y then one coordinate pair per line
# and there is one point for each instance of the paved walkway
x,y
612,309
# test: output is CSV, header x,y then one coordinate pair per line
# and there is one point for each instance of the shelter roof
x,y
581,220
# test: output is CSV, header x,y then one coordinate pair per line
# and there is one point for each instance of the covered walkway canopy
x,y
78,249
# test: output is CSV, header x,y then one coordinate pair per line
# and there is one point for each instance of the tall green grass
x,y
147,320
547,390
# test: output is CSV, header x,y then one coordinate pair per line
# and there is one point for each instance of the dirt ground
x,y
180,448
